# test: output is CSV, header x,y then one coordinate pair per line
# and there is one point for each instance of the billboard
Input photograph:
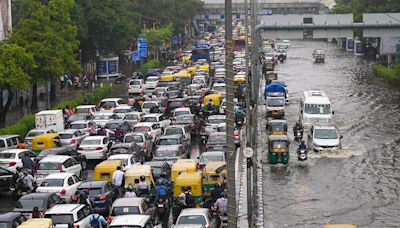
x,y
388,45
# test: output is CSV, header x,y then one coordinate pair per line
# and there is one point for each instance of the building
x,y
5,18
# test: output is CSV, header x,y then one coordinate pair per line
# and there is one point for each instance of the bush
x,y
28,122
150,65
388,73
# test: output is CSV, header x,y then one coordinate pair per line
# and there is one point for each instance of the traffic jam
x,y
154,157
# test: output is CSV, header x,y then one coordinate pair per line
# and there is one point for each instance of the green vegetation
x,y
150,65
391,74
358,7
157,37
28,122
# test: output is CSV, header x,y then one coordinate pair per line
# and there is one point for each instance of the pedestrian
x,y
97,221
117,180
35,212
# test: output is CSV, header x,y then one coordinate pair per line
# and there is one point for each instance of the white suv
x,y
322,138
77,215
58,164
160,119
135,86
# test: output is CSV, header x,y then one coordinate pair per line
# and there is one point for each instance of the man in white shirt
x,y
117,180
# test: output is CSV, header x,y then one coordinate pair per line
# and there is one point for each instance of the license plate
x,y
160,205
12,189
275,113
218,147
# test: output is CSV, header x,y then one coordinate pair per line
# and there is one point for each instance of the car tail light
x,y
73,141
236,133
74,198
76,226
130,86
99,148
61,169
12,163
109,218
103,197
63,192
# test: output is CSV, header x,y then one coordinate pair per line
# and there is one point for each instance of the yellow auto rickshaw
x,y
132,176
186,57
271,76
340,226
213,173
205,67
183,74
216,99
46,141
192,180
238,80
105,169
167,77
277,127
182,165
191,69
37,223
269,65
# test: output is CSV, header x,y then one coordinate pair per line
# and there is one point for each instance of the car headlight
x,y
316,145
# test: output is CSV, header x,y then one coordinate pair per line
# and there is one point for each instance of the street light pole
x,y
230,140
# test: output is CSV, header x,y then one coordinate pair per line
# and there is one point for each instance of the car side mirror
x,y
341,136
333,112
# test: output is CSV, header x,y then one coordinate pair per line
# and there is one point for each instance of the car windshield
x,y
142,129
125,211
279,144
276,102
151,79
192,219
149,119
52,183
7,155
184,119
31,203
156,170
217,139
136,82
208,158
166,153
61,219
104,104
65,136
148,105
77,117
216,121
32,134
221,89
317,109
131,117
173,131
112,126
121,110
91,142
222,129
180,113
198,81
120,150
165,142
176,104
102,117
325,134
49,166
78,126
194,100
278,127
92,191
133,138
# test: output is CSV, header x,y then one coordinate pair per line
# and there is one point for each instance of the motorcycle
x,y
301,154
298,134
239,121
222,218
162,211
19,189
281,58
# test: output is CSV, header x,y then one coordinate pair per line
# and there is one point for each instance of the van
x,y
315,108
8,142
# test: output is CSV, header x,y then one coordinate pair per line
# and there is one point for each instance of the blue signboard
x,y
206,17
101,68
112,67
175,40
135,56
350,44
265,11
142,47
238,16
222,17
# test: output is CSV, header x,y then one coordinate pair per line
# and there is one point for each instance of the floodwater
x,y
359,184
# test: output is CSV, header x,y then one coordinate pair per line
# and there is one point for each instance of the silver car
x,y
143,140
322,138
71,138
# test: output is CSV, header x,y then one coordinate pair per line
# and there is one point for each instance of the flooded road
x,y
359,184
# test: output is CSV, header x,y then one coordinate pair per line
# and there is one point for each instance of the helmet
x,y
185,189
142,178
130,187
159,182
163,175
302,141
223,194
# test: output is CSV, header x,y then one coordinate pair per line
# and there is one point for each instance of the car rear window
x,y
66,136
107,104
31,203
125,211
78,126
121,110
133,138
91,142
34,133
149,105
7,155
49,166
134,82
149,119
192,219
142,129
52,183
92,191
168,142
61,218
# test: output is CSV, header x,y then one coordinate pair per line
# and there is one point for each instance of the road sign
x,y
175,40
142,47
248,152
135,56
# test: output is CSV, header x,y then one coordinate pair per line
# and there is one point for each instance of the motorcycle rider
x,y
187,195
216,193
143,187
130,193
27,163
297,127
210,106
221,206
162,200
28,180
164,180
302,146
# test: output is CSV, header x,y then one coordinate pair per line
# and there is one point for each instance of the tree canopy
x,y
358,7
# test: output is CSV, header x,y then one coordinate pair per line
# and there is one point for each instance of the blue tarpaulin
x,y
274,88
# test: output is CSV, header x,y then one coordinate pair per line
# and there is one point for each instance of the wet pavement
x,y
358,184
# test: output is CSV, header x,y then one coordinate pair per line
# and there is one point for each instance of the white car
x,y
128,160
220,88
178,130
196,216
181,112
102,118
152,81
122,110
71,138
111,103
322,138
94,147
160,119
137,221
133,118
11,159
135,86
147,105
82,125
66,215
151,128
86,109
63,184
57,164
35,132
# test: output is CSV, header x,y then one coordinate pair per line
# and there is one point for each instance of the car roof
x,y
81,122
320,126
55,158
130,220
170,136
217,117
136,133
119,156
8,217
111,99
95,137
193,211
91,184
152,115
175,126
58,175
182,109
36,195
146,124
155,163
64,208
135,201
86,106
213,153
69,131
8,136
217,133
168,147
14,151
116,121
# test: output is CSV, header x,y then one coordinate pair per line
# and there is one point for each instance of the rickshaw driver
x,y
210,105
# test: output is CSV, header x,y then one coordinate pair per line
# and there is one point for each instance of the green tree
x,y
157,37
358,7
15,63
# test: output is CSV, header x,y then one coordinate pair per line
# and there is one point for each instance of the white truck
x,y
50,119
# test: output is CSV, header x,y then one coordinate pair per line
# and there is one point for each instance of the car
x,y
123,110
160,119
147,105
216,141
169,153
86,109
175,103
135,86
35,132
137,221
202,216
133,118
151,128
152,81
210,156
6,180
161,91
71,138
236,133
143,140
152,72
123,125
170,140
78,117
82,125
11,219
63,184
131,206
127,160
57,164
127,148
101,193
321,138
63,151
159,167
181,112
111,103
102,118
9,142
191,121
178,130
11,159
220,88
69,215
43,201
94,147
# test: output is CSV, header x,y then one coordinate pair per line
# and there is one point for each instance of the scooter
x,y
298,135
301,154
162,210
19,189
